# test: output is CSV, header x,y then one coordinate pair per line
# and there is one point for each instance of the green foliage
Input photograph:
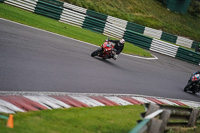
x,y
194,8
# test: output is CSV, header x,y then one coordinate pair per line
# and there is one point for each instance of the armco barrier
x,y
95,21
155,120
117,22
94,24
115,27
135,27
182,116
24,4
195,44
168,37
71,17
111,26
138,39
164,48
113,31
184,42
97,15
49,8
75,8
152,32
188,55
159,118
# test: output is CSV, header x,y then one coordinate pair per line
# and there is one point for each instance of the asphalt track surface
x,y
34,60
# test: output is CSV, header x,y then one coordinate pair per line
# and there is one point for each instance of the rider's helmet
x,y
122,41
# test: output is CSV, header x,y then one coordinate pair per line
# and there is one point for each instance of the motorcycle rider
x,y
119,46
198,72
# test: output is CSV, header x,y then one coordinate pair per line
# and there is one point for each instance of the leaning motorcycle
x,y
193,84
106,51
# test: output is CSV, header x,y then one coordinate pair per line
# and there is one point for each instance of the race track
x,y
34,60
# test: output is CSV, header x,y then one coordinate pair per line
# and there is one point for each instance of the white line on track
x,y
145,58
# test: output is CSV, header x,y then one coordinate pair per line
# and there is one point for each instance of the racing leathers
x,y
117,48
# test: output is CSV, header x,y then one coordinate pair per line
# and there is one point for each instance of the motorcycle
x,y
106,50
193,84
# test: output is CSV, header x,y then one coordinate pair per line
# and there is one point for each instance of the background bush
x,y
194,8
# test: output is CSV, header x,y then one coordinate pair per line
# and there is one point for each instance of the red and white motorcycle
x,y
106,51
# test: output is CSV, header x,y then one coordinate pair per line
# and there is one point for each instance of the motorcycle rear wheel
x,y
187,87
195,90
96,52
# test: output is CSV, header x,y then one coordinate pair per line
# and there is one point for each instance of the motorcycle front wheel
x,y
96,52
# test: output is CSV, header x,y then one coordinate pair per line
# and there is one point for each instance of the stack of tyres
x,y
94,21
188,55
138,39
49,8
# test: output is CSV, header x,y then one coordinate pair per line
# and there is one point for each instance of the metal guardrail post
x,y
165,117
154,126
193,117
150,108
149,124
159,118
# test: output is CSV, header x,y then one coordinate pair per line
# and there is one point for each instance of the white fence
x,y
164,48
75,8
117,22
152,32
72,17
113,31
24,4
184,42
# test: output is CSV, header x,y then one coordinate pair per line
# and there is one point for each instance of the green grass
x,y
108,119
149,13
31,19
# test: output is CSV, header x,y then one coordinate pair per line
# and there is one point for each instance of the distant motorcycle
x,y
193,84
106,51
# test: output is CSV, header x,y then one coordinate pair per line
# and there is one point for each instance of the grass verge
x,y
41,22
108,119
